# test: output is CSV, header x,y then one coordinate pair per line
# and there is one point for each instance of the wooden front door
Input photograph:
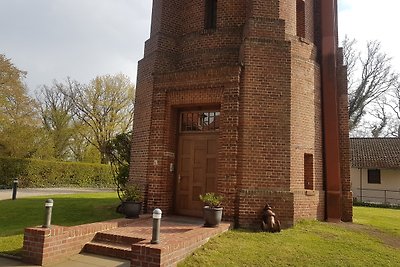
x,y
196,172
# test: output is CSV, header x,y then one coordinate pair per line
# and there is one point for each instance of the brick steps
x,y
120,238
112,245
116,238
109,249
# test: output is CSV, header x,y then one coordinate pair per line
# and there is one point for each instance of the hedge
x,y
40,173
375,205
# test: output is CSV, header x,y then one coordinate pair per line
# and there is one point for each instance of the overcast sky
x,y
372,20
54,39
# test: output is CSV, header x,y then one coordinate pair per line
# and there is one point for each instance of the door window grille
x,y
200,121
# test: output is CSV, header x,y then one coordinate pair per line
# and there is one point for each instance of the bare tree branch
x,y
376,77
380,113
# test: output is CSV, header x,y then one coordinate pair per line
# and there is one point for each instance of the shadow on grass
x,y
13,252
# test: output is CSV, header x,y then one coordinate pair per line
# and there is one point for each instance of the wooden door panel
x,y
212,146
211,165
197,191
198,176
184,184
183,202
196,171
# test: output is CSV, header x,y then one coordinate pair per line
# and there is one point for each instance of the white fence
x,y
377,196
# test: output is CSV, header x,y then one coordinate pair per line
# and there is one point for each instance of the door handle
x,y
179,178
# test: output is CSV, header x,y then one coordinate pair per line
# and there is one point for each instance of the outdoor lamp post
x,y
14,191
48,210
156,226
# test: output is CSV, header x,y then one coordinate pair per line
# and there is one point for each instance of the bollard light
x,y
156,226
48,211
14,191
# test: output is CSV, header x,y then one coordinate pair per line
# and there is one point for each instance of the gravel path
x,y
29,192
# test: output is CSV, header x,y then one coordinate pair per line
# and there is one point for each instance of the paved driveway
x,y
29,192
81,260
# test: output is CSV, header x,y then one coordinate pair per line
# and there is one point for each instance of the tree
x,y
12,94
394,105
381,114
79,145
10,76
369,77
56,115
19,122
105,106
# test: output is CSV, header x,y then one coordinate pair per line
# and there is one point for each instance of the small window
x,y
374,176
301,18
200,121
309,171
210,15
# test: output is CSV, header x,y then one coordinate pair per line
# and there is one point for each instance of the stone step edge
x,y
104,237
120,251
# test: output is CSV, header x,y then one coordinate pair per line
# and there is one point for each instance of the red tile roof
x,y
382,153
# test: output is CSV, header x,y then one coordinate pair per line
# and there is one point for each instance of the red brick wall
x,y
288,13
266,82
206,88
347,195
309,204
44,246
175,249
306,129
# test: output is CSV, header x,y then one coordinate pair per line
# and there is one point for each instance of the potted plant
x,y
131,198
118,152
212,210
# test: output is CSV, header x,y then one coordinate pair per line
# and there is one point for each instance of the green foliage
x,y
376,205
68,210
19,120
119,152
69,120
38,173
104,106
131,192
211,199
119,148
9,73
90,154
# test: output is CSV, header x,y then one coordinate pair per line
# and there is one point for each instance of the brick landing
x,y
121,238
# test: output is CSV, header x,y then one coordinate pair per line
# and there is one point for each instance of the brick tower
x,y
246,98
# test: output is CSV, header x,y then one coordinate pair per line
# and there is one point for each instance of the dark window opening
x,y
200,121
301,18
211,14
374,176
308,171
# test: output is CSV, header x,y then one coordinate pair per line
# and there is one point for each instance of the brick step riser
x,y
108,251
116,239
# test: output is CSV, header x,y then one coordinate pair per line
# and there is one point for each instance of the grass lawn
x,y
309,243
387,220
68,210
374,239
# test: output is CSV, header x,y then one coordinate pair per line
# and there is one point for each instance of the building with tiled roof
x,y
375,169
375,152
